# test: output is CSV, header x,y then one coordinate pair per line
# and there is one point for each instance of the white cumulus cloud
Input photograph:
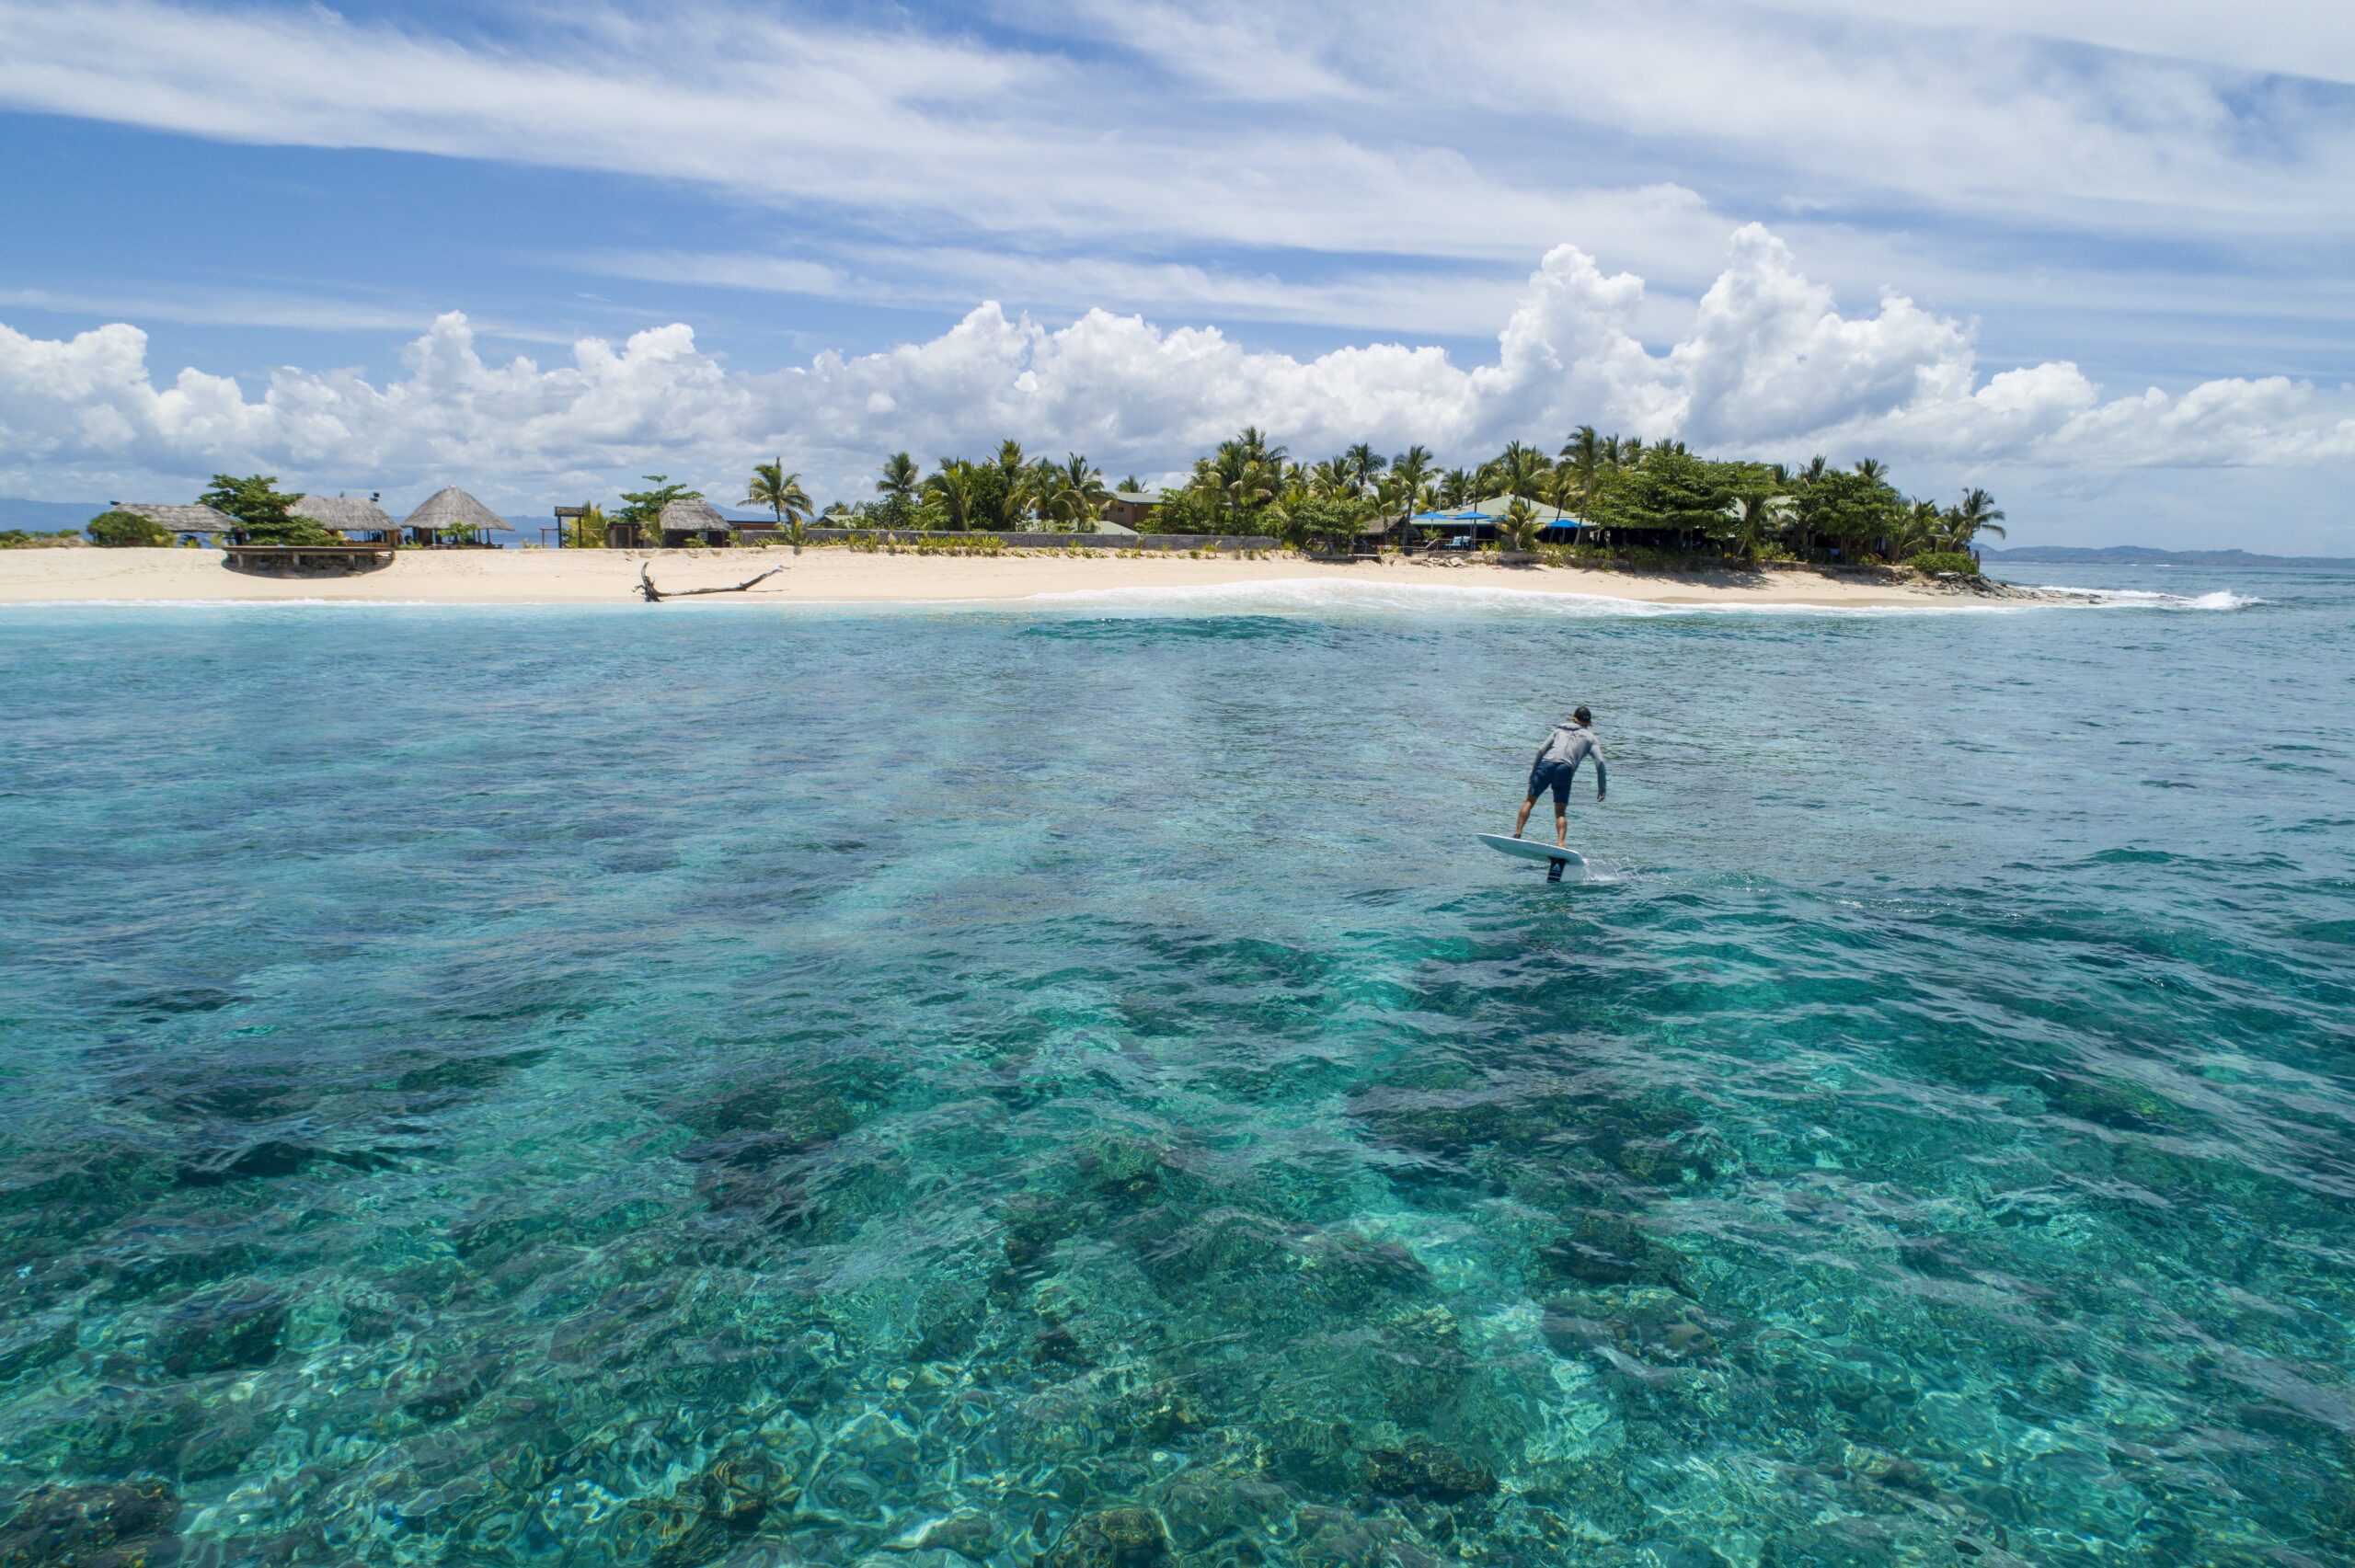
x,y
1770,366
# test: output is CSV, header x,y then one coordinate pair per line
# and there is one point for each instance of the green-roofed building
x,y
1126,511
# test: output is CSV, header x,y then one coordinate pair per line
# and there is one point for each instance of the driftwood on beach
x,y
645,586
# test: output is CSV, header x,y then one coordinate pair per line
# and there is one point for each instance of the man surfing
x,y
1558,763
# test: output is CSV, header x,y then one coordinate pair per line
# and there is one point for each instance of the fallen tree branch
x,y
646,585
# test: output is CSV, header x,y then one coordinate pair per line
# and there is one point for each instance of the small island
x,y
1601,515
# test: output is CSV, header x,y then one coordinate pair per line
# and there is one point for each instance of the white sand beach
x,y
843,577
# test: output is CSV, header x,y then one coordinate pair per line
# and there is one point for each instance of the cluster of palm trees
x,y
1011,492
1624,491
1008,492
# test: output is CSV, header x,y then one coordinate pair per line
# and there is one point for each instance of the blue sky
x,y
2093,255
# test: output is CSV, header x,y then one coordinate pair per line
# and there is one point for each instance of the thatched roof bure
x,y
692,512
180,519
341,511
450,507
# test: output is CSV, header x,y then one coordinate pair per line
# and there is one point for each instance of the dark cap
x,y
1583,716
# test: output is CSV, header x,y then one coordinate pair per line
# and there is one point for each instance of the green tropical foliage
x,y
1945,561
1653,500
1976,514
1517,529
900,486
1076,495
265,513
120,529
1316,523
644,508
588,530
782,493
959,496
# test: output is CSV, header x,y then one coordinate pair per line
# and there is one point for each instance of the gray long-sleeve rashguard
x,y
1569,745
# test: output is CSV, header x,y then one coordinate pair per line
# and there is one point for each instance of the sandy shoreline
x,y
842,577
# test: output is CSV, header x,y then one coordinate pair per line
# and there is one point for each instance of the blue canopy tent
x,y
1465,521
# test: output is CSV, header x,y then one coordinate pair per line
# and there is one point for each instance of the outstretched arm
x,y
1602,774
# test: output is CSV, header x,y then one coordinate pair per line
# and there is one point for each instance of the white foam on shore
x,y
1279,596
1302,596
2146,598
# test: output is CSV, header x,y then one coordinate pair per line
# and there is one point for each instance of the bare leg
x,y
1561,828
1522,821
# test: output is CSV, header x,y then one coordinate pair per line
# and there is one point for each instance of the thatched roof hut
x,y
449,507
174,519
692,514
342,513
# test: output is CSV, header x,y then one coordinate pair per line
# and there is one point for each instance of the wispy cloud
x,y
212,307
951,276
1384,128
2173,186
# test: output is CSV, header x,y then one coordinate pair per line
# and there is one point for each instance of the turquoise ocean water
x,y
736,1084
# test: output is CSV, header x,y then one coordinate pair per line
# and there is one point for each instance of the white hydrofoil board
x,y
1531,848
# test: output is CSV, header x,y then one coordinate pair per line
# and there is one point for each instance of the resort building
x,y
365,521
1128,510
199,524
691,519
1479,519
451,511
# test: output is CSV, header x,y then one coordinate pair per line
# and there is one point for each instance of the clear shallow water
x,y
756,1087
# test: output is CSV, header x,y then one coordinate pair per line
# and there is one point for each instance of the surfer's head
x,y
1583,717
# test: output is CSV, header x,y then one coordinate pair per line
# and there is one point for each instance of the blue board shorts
x,y
1555,776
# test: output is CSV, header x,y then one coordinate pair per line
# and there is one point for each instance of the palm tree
x,y
1077,494
1807,504
1396,496
1584,456
1254,443
1523,471
1365,465
782,493
1414,462
1456,486
1410,473
1253,486
899,486
1519,525
1758,515
1133,484
1564,490
1977,514
1920,526
1631,452
954,493
1331,480
1873,468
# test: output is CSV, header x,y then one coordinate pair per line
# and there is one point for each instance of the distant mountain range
x,y
2143,556
46,517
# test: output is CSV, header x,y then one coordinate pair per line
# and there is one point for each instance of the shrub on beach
x,y
1943,561
64,539
119,530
